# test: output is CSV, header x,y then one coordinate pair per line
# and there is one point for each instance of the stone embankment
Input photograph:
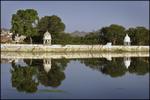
x,y
71,48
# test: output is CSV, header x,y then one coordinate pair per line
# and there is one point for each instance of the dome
x,y
47,36
127,38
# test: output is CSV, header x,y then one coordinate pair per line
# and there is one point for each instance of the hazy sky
x,y
83,15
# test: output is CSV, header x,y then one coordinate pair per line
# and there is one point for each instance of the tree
x,y
139,35
53,24
91,38
114,33
131,32
24,23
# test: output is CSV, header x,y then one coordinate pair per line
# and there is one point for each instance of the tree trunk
x,y
30,40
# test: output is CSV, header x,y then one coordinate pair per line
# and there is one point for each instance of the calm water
x,y
75,78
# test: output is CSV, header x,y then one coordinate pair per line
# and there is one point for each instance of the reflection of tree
x,y
23,78
55,75
140,66
95,63
114,68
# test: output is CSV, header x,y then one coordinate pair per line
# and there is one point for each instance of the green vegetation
x,y
139,35
28,78
26,22
53,24
113,33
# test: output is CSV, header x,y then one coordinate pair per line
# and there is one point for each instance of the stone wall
x,y
70,48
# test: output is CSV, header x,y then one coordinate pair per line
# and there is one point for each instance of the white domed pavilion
x,y
47,38
127,40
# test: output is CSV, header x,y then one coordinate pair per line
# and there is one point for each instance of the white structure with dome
x,y
127,40
47,38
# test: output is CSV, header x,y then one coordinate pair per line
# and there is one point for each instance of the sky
x,y
83,15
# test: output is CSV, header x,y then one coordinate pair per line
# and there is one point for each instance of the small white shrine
x,y
47,65
47,38
127,40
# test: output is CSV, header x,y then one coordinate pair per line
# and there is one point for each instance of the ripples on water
x,y
122,77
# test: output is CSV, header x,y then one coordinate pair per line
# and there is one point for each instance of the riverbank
x,y
71,48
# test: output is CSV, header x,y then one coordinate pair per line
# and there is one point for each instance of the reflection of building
x,y
20,62
108,57
47,65
127,61
127,40
47,38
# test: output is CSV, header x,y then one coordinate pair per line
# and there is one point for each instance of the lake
x,y
74,77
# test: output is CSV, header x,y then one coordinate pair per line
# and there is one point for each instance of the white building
x,y
47,38
127,40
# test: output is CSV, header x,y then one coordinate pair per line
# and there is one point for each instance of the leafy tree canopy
x,y
24,22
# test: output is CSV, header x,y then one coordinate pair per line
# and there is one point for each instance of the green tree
x,y
139,35
24,22
53,24
91,38
131,32
114,33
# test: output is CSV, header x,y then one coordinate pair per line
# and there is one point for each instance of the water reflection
x,y
127,61
27,74
46,72
23,78
117,67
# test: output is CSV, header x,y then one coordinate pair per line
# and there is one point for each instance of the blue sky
x,y
83,15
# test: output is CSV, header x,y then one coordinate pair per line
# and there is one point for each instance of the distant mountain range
x,y
75,33
79,33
